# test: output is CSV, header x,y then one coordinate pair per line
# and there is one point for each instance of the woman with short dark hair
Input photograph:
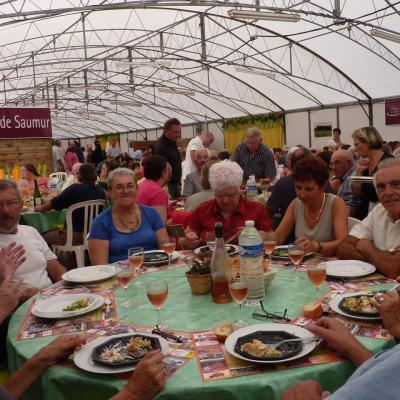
x,y
319,219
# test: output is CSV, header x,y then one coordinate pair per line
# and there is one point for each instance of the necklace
x,y
319,212
131,226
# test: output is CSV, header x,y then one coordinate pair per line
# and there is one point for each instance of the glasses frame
x,y
271,316
166,335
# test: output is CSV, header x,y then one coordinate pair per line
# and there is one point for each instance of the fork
x,y
304,339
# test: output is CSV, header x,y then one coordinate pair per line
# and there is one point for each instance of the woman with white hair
x,y
228,206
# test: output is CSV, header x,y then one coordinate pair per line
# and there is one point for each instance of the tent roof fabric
x,y
126,66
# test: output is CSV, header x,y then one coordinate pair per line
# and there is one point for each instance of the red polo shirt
x,y
207,214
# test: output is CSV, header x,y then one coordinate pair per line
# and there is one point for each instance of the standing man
x,y
166,146
254,157
58,156
197,143
114,151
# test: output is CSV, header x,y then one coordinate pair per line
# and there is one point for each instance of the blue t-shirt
x,y
103,228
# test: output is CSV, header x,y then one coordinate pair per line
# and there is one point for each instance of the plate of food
x,y
67,305
253,343
231,249
117,353
348,268
281,253
94,273
355,305
158,257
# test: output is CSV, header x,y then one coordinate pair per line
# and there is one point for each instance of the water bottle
x,y
251,263
52,185
251,188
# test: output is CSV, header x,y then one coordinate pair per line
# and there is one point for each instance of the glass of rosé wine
x,y
157,293
270,242
296,255
125,273
239,288
317,274
169,246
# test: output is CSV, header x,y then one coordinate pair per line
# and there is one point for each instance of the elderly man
x,y
342,168
166,146
192,182
377,238
113,151
58,156
41,266
254,157
197,143
74,177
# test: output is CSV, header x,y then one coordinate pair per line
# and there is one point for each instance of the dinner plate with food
x,y
355,305
231,249
348,269
281,253
257,343
158,257
67,305
118,353
94,273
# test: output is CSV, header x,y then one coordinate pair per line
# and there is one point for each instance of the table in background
x,y
185,311
43,221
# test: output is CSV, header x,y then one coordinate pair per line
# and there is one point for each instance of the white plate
x,y
236,251
174,257
308,347
53,307
334,305
285,247
89,274
348,268
83,357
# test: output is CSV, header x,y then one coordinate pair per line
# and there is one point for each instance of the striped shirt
x,y
261,163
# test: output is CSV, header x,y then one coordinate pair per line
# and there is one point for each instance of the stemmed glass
x,y
169,247
157,293
296,254
265,182
239,289
270,243
210,239
125,273
316,274
136,258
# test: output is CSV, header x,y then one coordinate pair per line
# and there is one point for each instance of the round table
x,y
43,221
188,312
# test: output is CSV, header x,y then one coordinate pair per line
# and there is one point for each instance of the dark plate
x,y
288,349
348,310
96,354
155,256
229,249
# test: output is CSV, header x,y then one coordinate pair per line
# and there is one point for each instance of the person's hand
x,y
309,246
388,305
363,245
310,390
362,165
27,292
191,240
11,257
148,378
10,293
340,339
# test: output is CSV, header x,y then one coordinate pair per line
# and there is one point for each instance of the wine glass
x,y
239,290
210,239
169,247
270,243
136,258
316,274
157,293
265,182
296,254
125,273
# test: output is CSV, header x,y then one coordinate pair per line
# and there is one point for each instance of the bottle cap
x,y
250,222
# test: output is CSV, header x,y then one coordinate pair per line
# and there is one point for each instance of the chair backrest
x,y
62,176
351,222
91,209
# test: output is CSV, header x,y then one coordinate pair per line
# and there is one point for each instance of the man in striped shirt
x,y
255,157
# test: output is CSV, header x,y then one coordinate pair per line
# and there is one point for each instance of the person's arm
x,y
44,207
305,390
11,257
388,305
347,249
188,187
162,237
98,251
270,168
287,224
10,294
193,155
162,210
55,270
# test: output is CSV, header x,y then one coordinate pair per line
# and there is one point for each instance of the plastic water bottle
x,y
251,188
52,185
251,263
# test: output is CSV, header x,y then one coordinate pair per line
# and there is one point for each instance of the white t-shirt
x,y
113,152
34,270
58,154
195,144
380,228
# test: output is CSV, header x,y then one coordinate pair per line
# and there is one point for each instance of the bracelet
x,y
319,247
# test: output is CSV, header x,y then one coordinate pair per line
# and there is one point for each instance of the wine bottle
x,y
220,268
37,197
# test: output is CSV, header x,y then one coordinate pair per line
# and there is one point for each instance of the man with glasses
x,y
377,238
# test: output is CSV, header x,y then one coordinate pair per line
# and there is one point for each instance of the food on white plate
x,y
223,330
256,348
138,342
280,253
77,304
360,304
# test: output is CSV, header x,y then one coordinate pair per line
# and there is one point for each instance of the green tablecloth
x,y
43,221
185,311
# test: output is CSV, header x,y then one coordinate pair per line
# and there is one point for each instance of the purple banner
x,y
392,111
25,123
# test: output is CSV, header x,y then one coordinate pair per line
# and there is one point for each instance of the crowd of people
x,y
313,195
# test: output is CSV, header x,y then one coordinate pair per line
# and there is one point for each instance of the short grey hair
x,y
116,173
253,132
386,163
347,154
7,184
198,151
225,173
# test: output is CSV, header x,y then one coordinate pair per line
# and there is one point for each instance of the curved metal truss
x,y
112,66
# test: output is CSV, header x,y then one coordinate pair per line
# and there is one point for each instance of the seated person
x,y
73,178
319,220
41,266
228,207
192,182
377,238
376,375
150,191
29,175
125,224
85,190
106,167
206,193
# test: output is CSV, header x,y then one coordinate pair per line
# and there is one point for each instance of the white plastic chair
x,y
91,209
61,176
352,222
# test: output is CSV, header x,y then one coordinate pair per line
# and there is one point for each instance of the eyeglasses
x,y
166,335
11,204
263,314
121,188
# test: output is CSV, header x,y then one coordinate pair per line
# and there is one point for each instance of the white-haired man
x,y
254,156
192,183
74,177
377,238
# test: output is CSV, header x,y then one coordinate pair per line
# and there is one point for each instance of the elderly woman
x,y
125,224
228,207
319,219
29,175
368,144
